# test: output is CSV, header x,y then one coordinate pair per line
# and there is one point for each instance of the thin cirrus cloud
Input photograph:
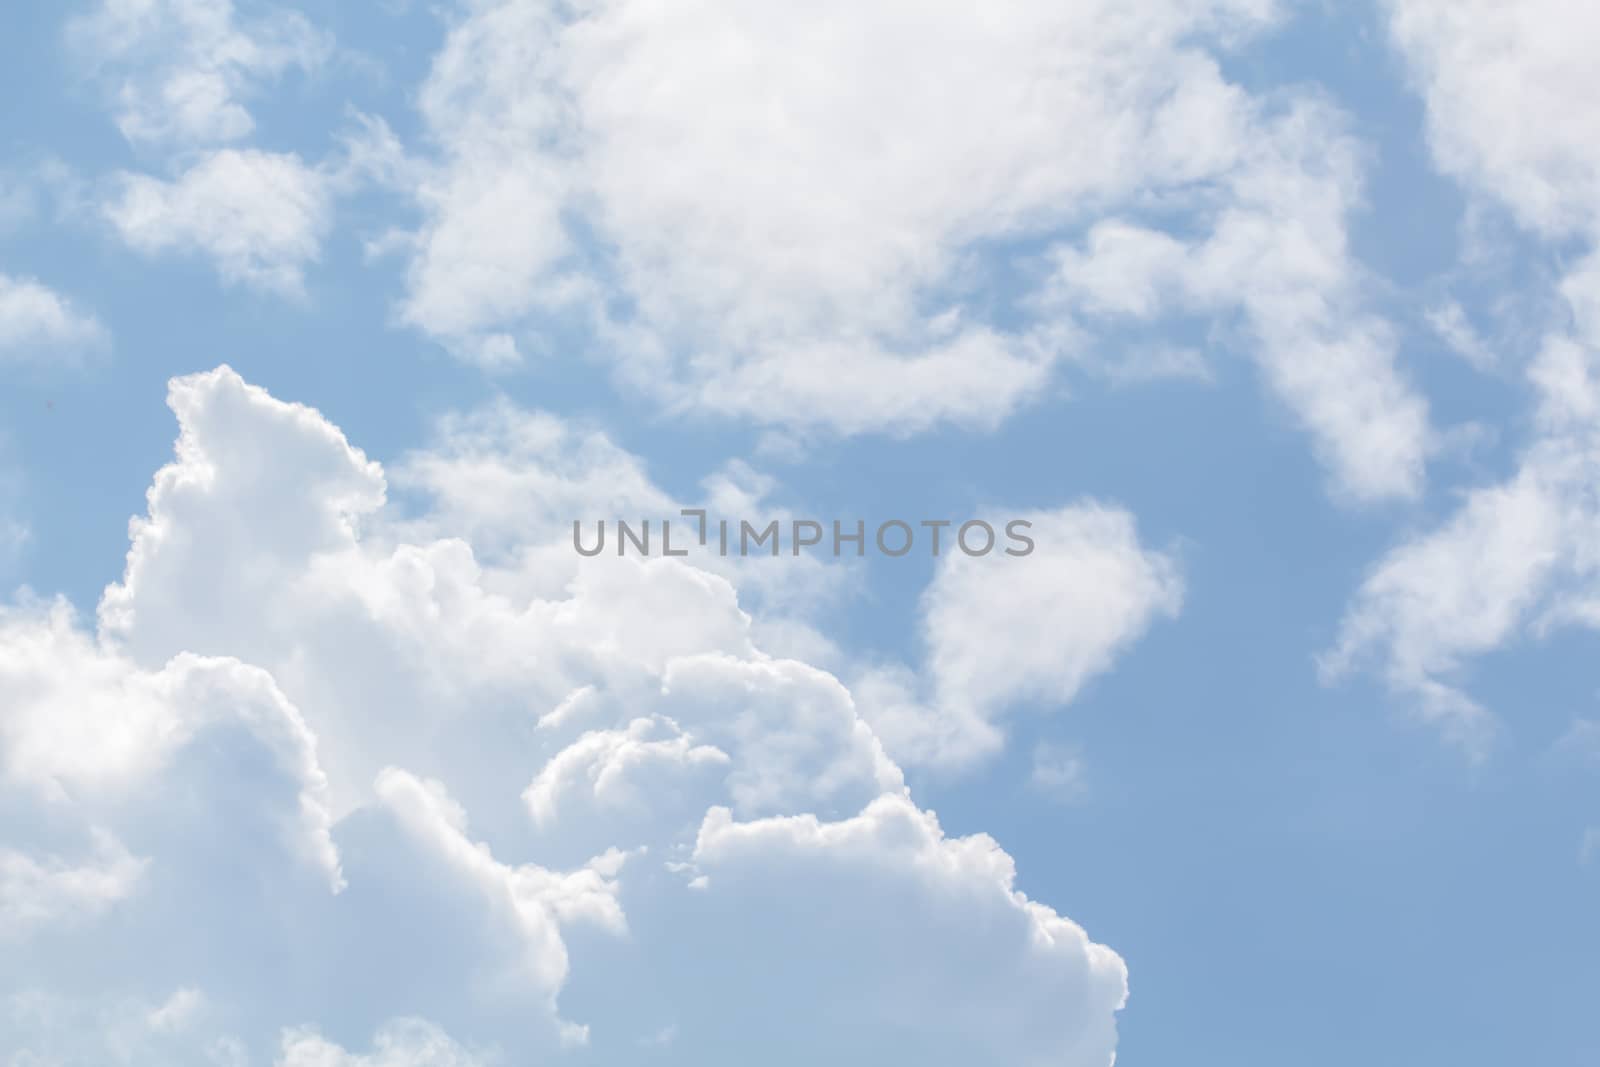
x,y
315,706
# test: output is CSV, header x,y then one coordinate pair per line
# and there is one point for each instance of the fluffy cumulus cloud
x,y
180,72
790,217
39,325
179,75
1486,72
1024,630
1095,588
88,724
259,217
512,481
314,772
999,631
1517,558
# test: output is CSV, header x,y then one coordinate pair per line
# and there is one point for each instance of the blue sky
x,y
1280,319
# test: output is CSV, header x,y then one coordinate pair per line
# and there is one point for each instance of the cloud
x,y
401,1043
530,901
260,217
1000,633
63,1031
912,168
1042,627
1276,252
34,892
178,1012
39,325
1483,68
619,769
886,876
1450,322
181,71
86,726
1516,559
1059,772
529,798
511,482
788,220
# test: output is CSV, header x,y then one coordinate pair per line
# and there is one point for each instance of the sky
x,y
321,326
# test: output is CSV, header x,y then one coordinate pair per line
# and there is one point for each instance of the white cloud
x,y
501,475
35,892
1450,322
44,1028
886,877
788,219
1004,631
511,483
1517,558
260,217
182,70
530,901
39,325
609,769
85,725
1484,68
392,688
1042,625
401,1043
1276,251
178,1012
1514,560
